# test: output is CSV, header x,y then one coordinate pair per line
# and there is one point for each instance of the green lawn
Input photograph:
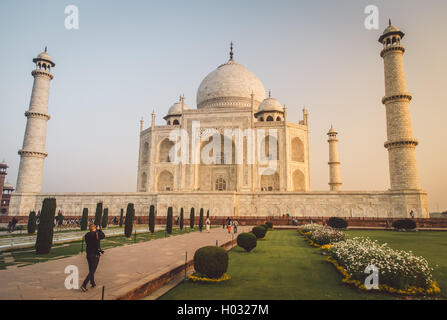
x,y
26,256
285,267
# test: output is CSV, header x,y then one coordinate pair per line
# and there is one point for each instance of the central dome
x,y
230,85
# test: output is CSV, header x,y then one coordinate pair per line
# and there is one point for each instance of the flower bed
x,y
400,271
327,236
310,227
318,235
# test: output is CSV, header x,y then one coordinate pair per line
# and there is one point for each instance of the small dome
x,y
230,81
45,56
8,186
390,30
270,104
332,130
176,108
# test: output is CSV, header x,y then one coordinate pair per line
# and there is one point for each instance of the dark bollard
x,y
216,244
102,297
186,262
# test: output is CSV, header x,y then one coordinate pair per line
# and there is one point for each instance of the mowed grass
x,y
431,245
285,267
26,256
281,267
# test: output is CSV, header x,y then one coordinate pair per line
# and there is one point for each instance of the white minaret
x,y
334,163
32,154
400,144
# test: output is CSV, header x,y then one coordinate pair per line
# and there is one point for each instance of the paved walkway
x,y
120,270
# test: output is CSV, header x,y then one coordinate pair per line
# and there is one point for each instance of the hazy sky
x,y
130,57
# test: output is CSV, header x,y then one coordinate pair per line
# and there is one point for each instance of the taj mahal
x,y
260,160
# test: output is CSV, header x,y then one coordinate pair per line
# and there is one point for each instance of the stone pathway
x,y
120,270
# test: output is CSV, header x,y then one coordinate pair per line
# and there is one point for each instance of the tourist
x,y
223,224
93,250
412,214
235,224
208,224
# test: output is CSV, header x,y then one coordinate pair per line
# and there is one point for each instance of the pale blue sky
x,y
129,57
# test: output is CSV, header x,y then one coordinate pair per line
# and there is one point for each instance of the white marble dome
x,y
176,108
231,84
270,104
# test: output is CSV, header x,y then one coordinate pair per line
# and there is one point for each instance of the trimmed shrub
x,y
181,218
404,224
169,221
207,214
247,241
152,219
191,219
130,215
84,219
337,223
44,239
265,226
105,218
121,217
269,224
211,261
98,213
201,219
259,231
32,222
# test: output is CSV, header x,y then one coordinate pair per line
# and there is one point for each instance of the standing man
x,y
92,240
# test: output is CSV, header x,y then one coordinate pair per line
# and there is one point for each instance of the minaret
x,y
334,163
401,143
32,154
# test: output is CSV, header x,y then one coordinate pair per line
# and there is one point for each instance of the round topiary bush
x,y
211,261
404,224
269,224
259,231
265,226
337,223
247,241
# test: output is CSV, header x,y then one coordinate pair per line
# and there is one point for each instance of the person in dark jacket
x,y
92,241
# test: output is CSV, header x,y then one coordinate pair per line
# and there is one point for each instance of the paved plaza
x,y
121,269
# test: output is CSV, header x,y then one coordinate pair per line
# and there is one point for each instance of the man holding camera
x,y
92,240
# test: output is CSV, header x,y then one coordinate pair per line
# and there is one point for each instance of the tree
x,y
44,239
32,222
152,219
181,218
169,221
84,219
105,218
98,213
130,214
201,219
191,218
121,217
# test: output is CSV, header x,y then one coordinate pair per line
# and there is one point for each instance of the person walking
x,y
93,250
235,224
208,224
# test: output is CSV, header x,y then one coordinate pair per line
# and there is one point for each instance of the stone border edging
x,y
145,289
